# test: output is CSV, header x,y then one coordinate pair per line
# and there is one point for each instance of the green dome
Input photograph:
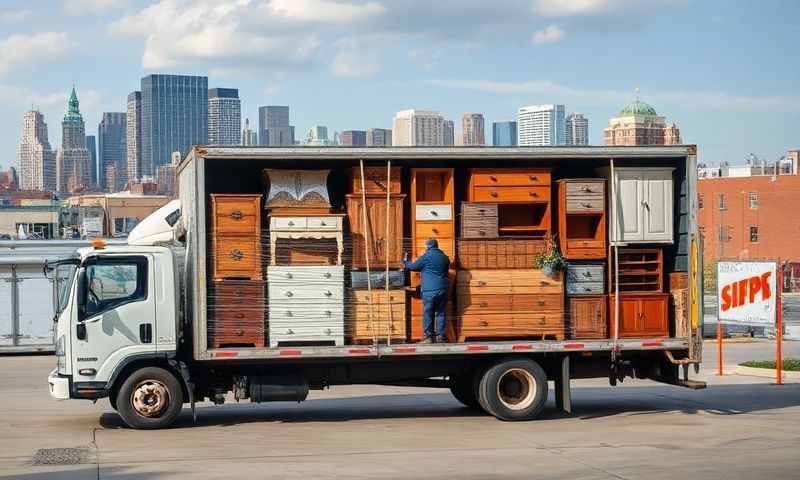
x,y
638,108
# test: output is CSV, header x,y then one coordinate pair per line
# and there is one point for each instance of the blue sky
x,y
726,72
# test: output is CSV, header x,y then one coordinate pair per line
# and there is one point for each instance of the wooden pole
x,y
779,325
616,221
366,249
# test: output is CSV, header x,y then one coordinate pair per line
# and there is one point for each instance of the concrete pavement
x,y
741,427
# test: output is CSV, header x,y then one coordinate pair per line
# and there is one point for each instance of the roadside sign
x,y
746,293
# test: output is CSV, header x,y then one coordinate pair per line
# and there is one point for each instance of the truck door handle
x,y
146,332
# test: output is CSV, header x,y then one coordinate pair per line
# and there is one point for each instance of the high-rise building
x,y
174,117
72,161
639,124
541,125
36,161
133,136
318,136
224,116
418,128
577,129
273,126
249,137
472,129
379,137
504,134
113,143
91,145
448,133
353,138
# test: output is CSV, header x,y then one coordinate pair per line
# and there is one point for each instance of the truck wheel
x,y
463,389
513,390
149,399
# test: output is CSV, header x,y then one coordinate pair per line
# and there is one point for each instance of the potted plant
x,y
550,261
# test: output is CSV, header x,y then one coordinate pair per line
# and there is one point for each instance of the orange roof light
x,y
98,243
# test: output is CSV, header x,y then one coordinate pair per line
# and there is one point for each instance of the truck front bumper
x,y
59,385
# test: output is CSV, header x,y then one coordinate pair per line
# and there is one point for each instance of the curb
x,y
766,373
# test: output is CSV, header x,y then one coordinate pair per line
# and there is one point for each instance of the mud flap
x,y
563,391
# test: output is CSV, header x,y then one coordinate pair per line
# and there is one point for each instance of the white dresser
x,y
305,227
306,304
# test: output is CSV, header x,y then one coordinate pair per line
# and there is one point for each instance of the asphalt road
x,y
740,427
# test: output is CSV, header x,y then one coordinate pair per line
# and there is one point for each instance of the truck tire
x,y
149,399
513,390
463,389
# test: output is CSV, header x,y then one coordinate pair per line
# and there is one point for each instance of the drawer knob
x,y
239,332
289,294
322,223
533,194
328,293
289,275
327,275
328,313
494,194
587,289
236,214
238,292
289,331
434,213
236,254
544,284
492,178
587,274
240,315
484,304
327,331
291,223
481,283
482,232
533,177
435,230
587,205
542,321
586,189
484,323
541,303
289,313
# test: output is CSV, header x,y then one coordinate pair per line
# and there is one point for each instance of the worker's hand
x,y
405,256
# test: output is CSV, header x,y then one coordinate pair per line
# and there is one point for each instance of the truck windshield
x,y
64,277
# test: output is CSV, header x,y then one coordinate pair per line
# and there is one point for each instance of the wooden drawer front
x,y
366,330
245,314
237,257
375,179
479,232
585,204
537,278
479,226
585,273
236,214
324,223
300,314
471,304
510,177
512,194
291,275
288,223
537,303
586,188
299,292
378,297
487,324
585,288
236,291
479,210
546,320
476,279
433,212
236,223
447,245
586,244
498,254
434,230
294,333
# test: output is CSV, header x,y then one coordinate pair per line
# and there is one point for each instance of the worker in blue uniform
x,y
433,266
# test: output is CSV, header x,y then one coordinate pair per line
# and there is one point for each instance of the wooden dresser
x,y
509,304
387,316
236,236
432,207
306,305
375,229
305,227
582,218
237,314
522,195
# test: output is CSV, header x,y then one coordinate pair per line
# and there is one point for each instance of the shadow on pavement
x,y
588,403
90,472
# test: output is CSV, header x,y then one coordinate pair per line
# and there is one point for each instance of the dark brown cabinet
x,y
640,315
588,316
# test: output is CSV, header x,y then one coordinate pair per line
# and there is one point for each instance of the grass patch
x,y
789,364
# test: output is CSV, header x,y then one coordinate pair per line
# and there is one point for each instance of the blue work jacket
x,y
433,266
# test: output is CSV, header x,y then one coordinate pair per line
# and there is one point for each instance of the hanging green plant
x,y
550,261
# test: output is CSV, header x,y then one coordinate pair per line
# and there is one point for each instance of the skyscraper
x,y
472,132
273,126
448,133
318,136
354,138
541,125
577,129
174,117
224,116
249,137
113,143
379,137
418,127
133,137
72,161
504,134
91,145
36,161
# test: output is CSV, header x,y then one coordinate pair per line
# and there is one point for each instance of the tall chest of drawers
x,y
582,218
236,236
306,305
236,314
432,202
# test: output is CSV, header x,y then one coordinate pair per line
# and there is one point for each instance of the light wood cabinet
x,y
644,205
432,207
640,315
374,234
236,236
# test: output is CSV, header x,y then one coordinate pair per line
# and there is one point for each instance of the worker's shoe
x,y
441,339
427,340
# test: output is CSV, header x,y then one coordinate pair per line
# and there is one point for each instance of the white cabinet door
x,y
628,209
657,205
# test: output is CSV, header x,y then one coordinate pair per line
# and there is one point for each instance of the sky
x,y
726,72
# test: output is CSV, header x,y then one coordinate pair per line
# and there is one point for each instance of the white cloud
x,y
324,11
551,34
686,100
93,7
15,16
353,60
571,8
21,50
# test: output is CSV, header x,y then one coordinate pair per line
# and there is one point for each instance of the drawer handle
x,y
328,313
587,205
327,275
236,214
289,313
542,321
289,332
482,210
484,323
481,283
533,194
492,178
237,292
484,304
327,331
533,177
434,213
236,254
435,230
587,274
291,223
541,303
328,293
544,284
289,294
239,332
586,189
289,275
322,223
482,232
494,194
240,315
587,289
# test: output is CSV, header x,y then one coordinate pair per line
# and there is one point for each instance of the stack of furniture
x,y
587,300
237,295
376,314
522,196
643,307
305,279
433,213
582,218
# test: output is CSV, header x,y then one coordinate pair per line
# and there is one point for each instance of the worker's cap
x,y
431,243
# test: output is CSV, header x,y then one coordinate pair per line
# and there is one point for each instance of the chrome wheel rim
x,y
150,398
516,389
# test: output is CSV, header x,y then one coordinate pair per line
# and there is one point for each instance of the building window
x,y
722,203
700,201
753,197
723,233
753,233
